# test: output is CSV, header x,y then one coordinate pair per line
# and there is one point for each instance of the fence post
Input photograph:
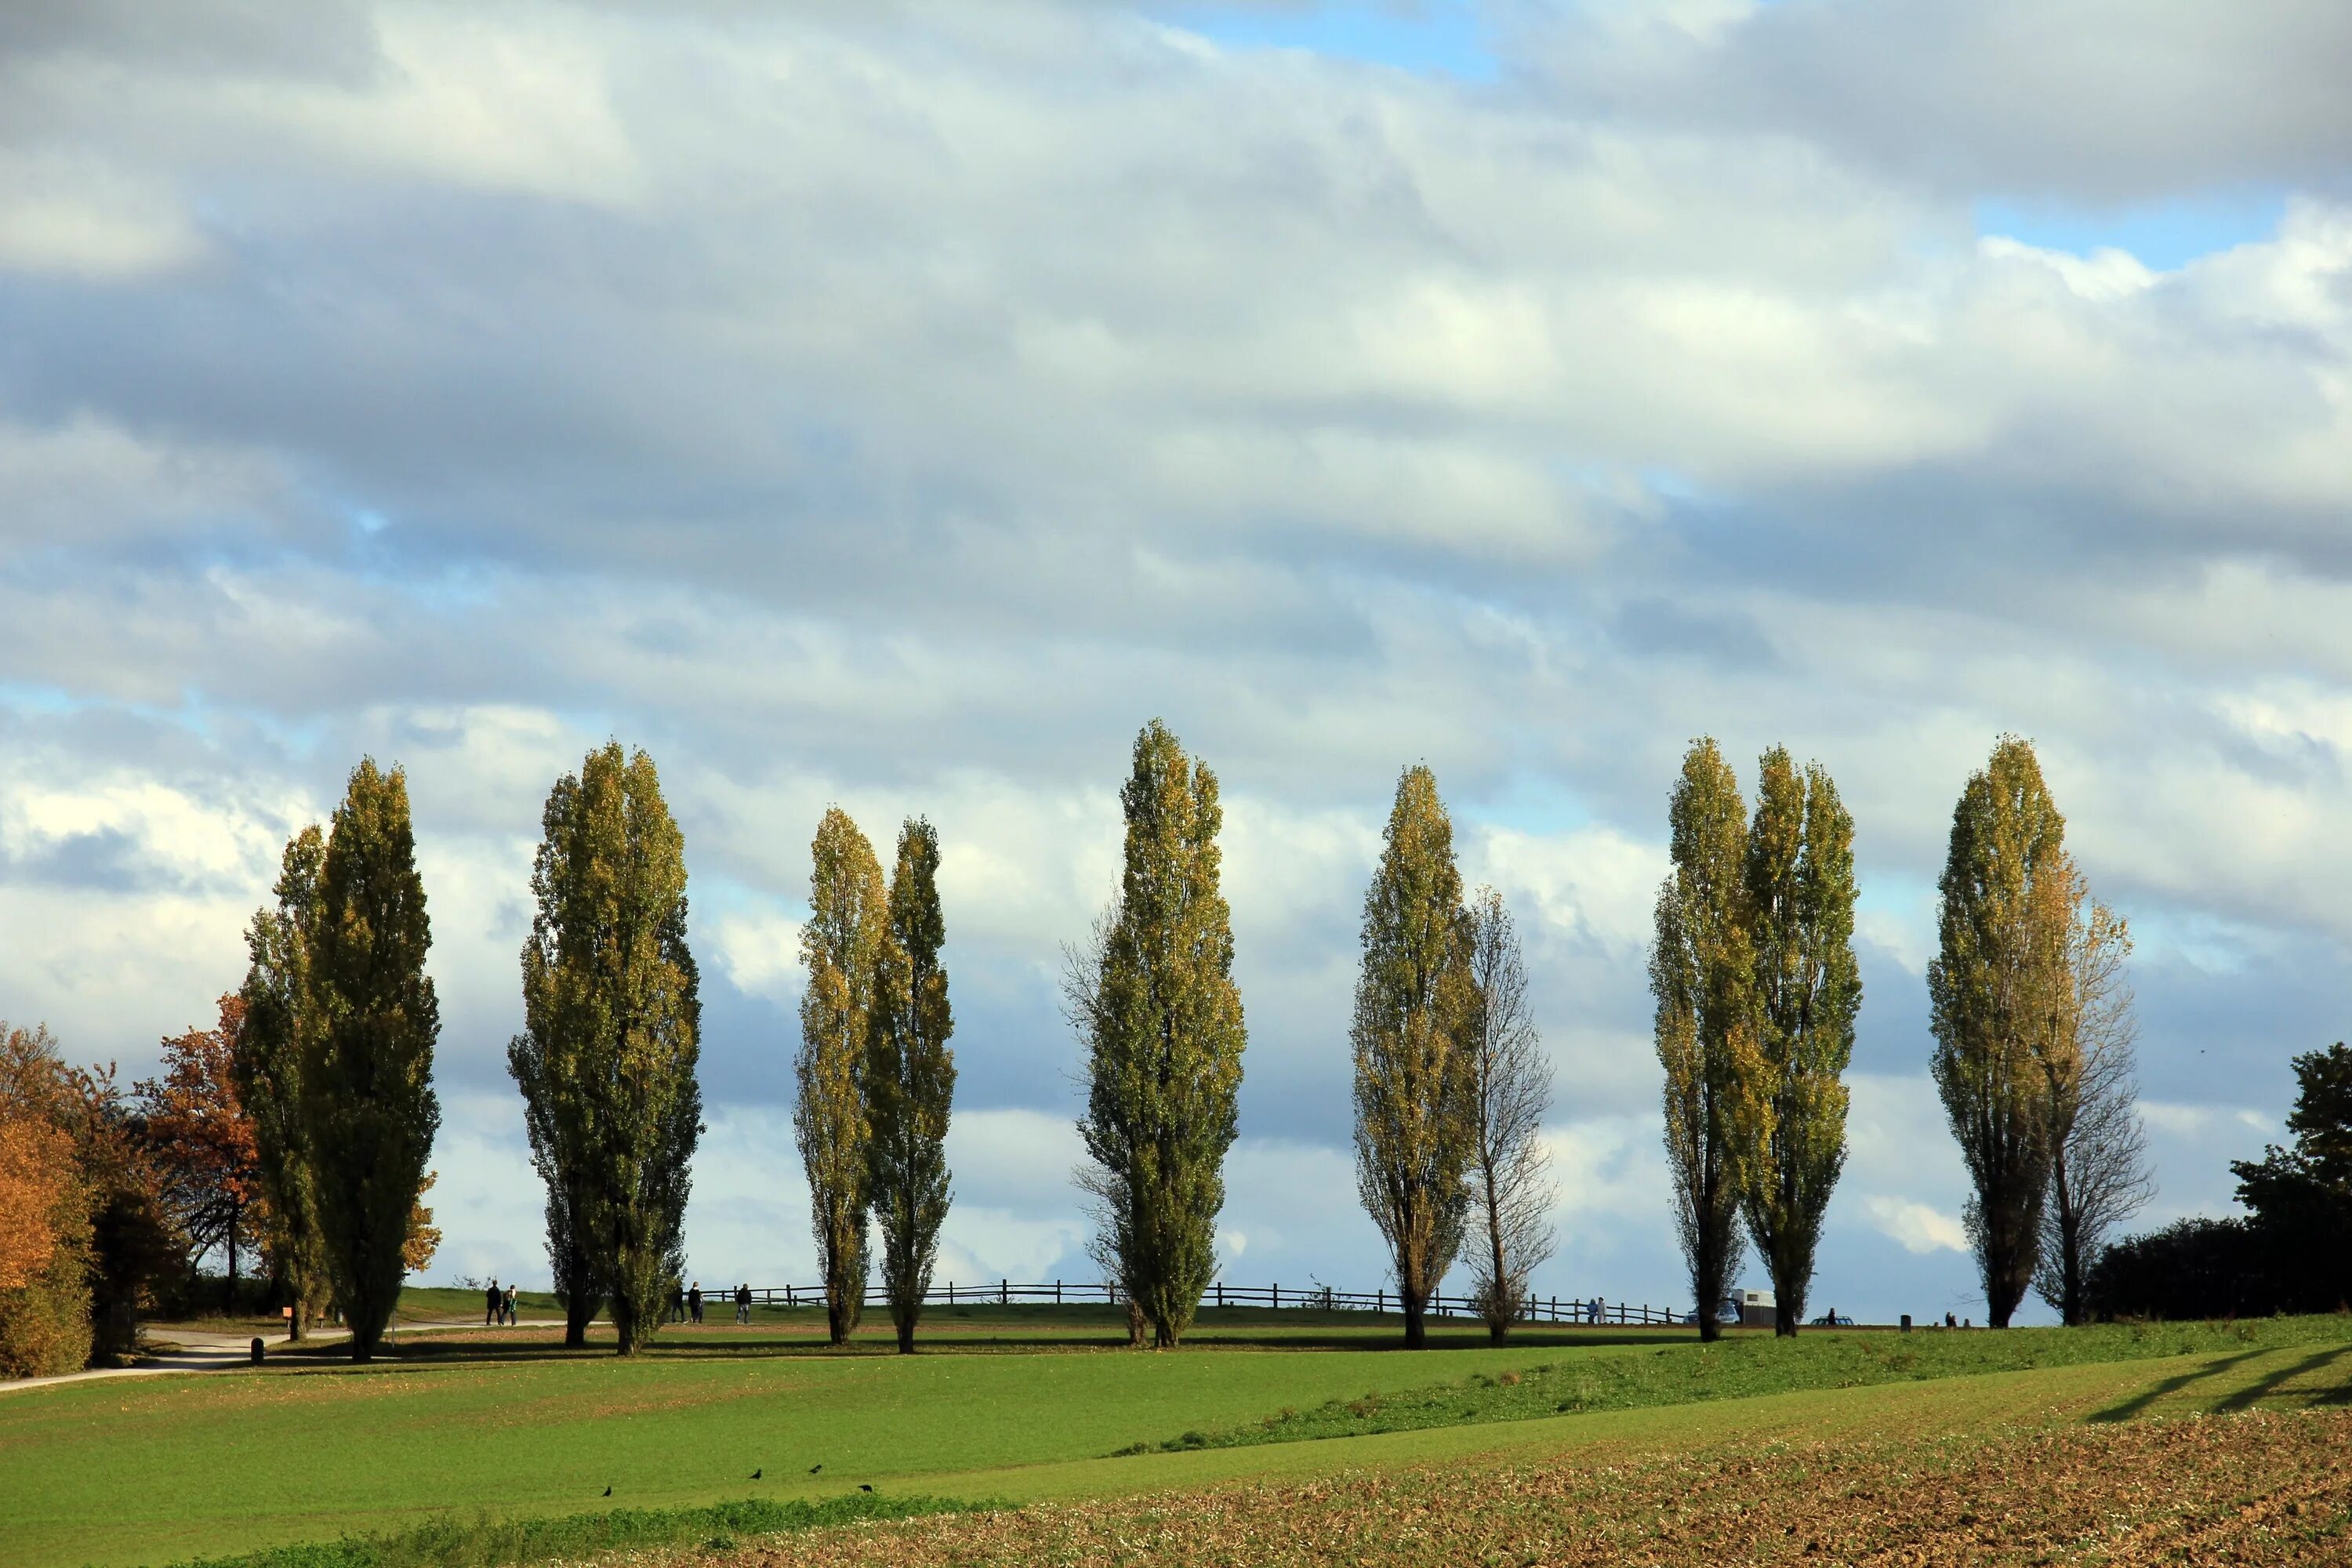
x,y
1278,1295
1004,1292
1057,1292
1220,1292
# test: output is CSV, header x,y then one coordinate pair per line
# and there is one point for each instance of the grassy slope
x,y
141,1470
1743,1367
1830,1421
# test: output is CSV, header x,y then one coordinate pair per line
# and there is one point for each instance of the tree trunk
x,y
1503,1303
1416,1309
1788,1290
579,1311
1135,1323
2069,1258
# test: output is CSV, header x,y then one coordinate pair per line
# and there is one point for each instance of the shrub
x,y
2192,1269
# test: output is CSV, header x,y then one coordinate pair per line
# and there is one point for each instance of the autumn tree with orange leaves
x,y
203,1143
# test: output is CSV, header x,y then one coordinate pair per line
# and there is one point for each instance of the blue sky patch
x,y
2164,236
1430,37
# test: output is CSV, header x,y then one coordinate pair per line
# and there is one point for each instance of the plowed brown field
x,y
2254,1488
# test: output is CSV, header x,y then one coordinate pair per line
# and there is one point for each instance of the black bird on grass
x,y
815,1467
608,1491
863,1488
755,1474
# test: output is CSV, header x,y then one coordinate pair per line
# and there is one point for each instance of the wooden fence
x,y
1587,1309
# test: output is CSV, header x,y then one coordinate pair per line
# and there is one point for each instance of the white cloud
x,y
1919,1229
83,218
762,952
895,412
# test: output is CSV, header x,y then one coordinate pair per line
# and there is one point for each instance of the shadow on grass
x,y
2248,1397
2167,1387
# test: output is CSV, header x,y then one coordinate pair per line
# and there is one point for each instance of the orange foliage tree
x,y
36,1165
201,1141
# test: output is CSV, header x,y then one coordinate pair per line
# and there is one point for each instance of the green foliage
x,y
1412,1035
910,1080
1702,975
1800,895
1165,1038
45,1326
2301,1197
368,1107
492,1542
611,1038
1745,1365
841,943
283,1023
1993,987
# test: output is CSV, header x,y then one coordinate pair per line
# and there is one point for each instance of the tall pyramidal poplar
x,y
911,1080
1415,1088
841,946
1702,975
1165,1037
368,1106
282,1018
1999,976
1808,990
612,1034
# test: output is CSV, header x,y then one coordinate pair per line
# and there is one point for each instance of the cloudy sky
x,y
896,404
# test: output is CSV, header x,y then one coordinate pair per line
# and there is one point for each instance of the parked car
x,y
1831,1321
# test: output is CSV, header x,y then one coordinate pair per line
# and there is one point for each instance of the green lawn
x,y
143,1469
1019,1404
1743,1366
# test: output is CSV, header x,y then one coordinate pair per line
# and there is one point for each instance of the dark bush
x,y
2193,1269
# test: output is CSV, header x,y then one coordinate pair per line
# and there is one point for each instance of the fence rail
x,y
1587,1309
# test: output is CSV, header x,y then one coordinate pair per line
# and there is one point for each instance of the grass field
x,y
1021,1406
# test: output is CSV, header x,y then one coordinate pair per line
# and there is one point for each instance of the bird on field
x,y
863,1488
755,1474
608,1491
815,1467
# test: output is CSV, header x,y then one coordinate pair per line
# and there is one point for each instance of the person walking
x,y
491,1303
511,1306
694,1302
743,1303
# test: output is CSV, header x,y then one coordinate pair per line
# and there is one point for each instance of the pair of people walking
x,y
499,1306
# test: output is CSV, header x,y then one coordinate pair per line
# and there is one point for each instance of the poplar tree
x,y
1995,990
1165,1040
368,1107
1511,1192
1412,1038
910,1080
283,1020
1807,989
841,943
611,1030
1701,974
2098,1149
